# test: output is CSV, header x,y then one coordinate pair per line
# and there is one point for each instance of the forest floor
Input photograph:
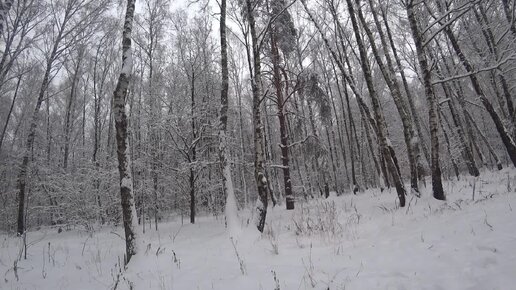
x,y
345,242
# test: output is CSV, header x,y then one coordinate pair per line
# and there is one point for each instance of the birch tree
x,y
122,138
227,179
249,8
433,118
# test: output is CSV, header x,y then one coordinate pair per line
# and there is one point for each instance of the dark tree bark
x,y
281,102
193,153
10,111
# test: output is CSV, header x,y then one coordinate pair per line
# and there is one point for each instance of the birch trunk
x,y
383,139
259,154
388,72
227,181
408,92
122,137
437,185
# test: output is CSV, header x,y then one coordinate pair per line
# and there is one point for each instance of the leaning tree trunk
x,y
482,19
484,139
500,127
466,150
122,137
227,181
408,92
10,111
388,73
377,110
259,155
346,80
437,184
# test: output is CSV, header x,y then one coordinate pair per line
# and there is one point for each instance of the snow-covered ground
x,y
346,242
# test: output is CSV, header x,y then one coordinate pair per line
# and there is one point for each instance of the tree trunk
x,y
448,147
388,72
287,182
347,79
408,92
24,168
437,185
492,44
70,111
484,139
193,154
380,121
122,137
466,150
500,127
259,155
227,181
10,111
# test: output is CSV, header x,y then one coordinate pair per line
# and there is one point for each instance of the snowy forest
x,y
257,144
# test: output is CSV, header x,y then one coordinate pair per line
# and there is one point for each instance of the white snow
x,y
127,182
127,66
344,242
231,209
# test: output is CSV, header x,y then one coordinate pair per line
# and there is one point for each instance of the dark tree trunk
x,y
24,168
193,154
284,146
191,180
10,112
